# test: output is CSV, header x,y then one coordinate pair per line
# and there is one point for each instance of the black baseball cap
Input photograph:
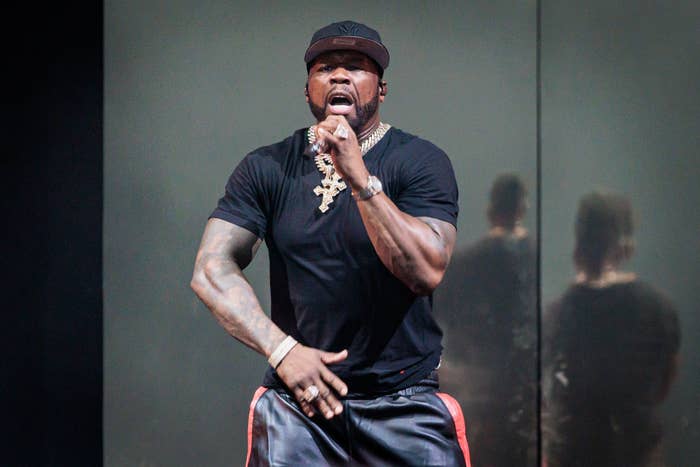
x,y
348,35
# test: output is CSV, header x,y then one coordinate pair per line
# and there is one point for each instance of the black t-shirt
x,y
329,289
607,358
487,303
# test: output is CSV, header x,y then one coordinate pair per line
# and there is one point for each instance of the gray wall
x,y
191,87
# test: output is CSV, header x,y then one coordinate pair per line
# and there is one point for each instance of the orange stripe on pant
x,y
261,390
460,427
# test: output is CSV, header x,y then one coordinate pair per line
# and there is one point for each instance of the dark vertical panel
x,y
52,365
72,325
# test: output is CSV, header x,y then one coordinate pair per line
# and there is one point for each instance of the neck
x,y
607,277
369,128
517,231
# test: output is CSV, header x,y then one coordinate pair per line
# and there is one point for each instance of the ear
x,y
306,92
383,89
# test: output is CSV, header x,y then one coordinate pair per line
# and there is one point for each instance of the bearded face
x,y
345,83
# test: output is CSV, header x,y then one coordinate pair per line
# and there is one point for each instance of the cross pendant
x,y
329,188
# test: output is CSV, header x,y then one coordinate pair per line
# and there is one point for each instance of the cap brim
x,y
372,49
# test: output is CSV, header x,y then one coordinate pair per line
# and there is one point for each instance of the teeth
x,y
340,100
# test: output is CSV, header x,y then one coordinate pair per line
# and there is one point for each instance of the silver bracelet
x,y
281,351
373,187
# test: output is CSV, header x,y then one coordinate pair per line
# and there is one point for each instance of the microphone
x,y
315,148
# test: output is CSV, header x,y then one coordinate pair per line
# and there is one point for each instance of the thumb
x,y
334,357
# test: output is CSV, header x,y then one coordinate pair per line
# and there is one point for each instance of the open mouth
x,y
340,100
340,103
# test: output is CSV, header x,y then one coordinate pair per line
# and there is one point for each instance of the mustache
x,y
341,89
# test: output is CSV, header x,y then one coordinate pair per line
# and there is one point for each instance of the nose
x,y
340,76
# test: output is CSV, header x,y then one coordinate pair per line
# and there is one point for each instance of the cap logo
x,y
349,29
343,41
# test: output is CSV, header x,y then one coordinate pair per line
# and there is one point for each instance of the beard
x,y
363,113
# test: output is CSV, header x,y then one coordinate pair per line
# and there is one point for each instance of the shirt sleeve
x,y
243,202
429,187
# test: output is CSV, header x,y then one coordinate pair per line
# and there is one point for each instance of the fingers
x,y
328,376
304,368
305,406
334,382
326,403
330,358
341,132
329,385
328,137
334,130
332,121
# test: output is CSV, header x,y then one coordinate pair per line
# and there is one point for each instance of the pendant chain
x,y
332,184
366,144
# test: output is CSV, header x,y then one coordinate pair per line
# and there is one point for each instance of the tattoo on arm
x,y
218,280
443,238
416,250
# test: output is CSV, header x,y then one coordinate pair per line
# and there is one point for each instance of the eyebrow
x,y
343,58
354,62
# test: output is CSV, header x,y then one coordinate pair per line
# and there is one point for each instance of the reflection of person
x,y
360,228
486,304
610,350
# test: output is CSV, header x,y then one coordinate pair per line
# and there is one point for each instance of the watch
x,y
373,187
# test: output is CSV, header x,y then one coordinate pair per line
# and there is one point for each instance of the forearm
x,y
221,285
415,252
219,282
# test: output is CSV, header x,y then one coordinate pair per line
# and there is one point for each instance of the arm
x,y
416,250
219,282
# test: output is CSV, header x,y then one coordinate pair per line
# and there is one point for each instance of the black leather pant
x,y
416,426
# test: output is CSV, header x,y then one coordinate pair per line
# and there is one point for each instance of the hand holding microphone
x,y
319,145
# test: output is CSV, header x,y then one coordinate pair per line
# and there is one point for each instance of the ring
x,y
341,132
311,393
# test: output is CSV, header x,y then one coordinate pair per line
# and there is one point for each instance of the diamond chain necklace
x,y
366,144
332,184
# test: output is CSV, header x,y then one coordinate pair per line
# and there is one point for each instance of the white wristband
x,y
281,351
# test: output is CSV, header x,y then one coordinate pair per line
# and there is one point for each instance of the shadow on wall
x,y
610,344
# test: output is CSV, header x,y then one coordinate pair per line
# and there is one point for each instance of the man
x,y
611,346
359,219
487,305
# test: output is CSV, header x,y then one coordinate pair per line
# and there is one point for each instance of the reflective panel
x,y
611,349
620,171
487,308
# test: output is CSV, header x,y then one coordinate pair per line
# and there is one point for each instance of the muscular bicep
x,y
443,236
219,282
225,240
